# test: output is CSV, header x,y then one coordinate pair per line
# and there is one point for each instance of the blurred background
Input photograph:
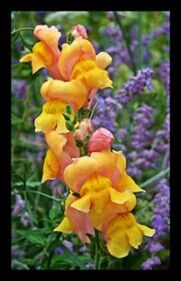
x,y
136,111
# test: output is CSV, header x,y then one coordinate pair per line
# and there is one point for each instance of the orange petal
x,y
101,139
73,92
104,163
56,142
71,54
50,36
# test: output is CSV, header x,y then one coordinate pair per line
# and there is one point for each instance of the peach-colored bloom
x,y
84,129
71,92
101,139
76,221
79,31
59,156
45,52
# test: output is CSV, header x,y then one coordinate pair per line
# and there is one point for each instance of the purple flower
x,y
59,250
135,85
15,252
83,250
25,219
68,245
90,266
154,246
19,88
150,263
19,206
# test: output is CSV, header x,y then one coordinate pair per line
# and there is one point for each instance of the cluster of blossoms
x,y
101,193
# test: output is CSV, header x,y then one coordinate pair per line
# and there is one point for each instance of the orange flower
x,y
62,150
122,232
76,221
104,187
45,52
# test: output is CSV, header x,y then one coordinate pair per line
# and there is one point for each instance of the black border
x,y
5,103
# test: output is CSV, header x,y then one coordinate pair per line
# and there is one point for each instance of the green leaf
x,y
67,118
68,109
15,36
35,237
69,126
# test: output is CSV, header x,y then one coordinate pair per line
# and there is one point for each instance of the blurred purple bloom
x,y
19,206
15,252
68,245
90,266
25,219
150,263
83,250
19,88
59,250
135,85
154,246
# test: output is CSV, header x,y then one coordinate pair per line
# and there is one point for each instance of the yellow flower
x,y
123,232
101,201
51,117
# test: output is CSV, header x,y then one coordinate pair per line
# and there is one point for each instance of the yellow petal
x,y
135,236
90,74
73,92
51,118
83,204
118,246
71,54
51,167
40,57
103,60
65,226
120,197
126,182
146,230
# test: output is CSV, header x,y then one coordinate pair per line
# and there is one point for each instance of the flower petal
x,y
66,226
127,182
51,167
103,60
73,92
51,118
147,231
118,246
91,75
71,54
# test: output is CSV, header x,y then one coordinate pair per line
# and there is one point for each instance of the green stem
x,y
97,250
140,40
93,110
21,29
126,40
43,194
155,178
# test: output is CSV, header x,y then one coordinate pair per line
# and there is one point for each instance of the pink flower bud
x,y
85,129
101,139
79,30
